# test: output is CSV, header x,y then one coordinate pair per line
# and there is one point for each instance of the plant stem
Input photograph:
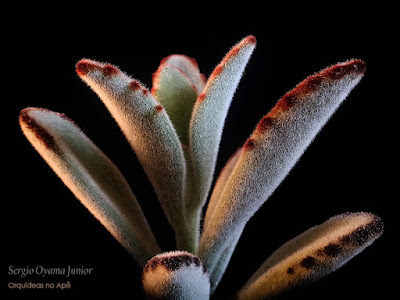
x,y
187,238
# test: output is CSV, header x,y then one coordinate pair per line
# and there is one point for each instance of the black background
x,y
351,165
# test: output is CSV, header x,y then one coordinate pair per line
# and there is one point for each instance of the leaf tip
x,y
371,230
314,82
338,71
173,261
28,121
181,57
235,50
175,275
251,39
84,66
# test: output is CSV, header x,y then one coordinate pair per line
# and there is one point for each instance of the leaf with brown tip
x,y
276,144
173,89
189,67
209,113
150,132
176,275
313,254
92,178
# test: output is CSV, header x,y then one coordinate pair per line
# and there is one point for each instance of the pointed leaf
x,y
209,115
177,95
149,131
313,254
92,177
276,144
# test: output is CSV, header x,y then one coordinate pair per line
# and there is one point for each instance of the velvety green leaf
x,y
92,177
276,144
209,115
173,89
149,131
189,67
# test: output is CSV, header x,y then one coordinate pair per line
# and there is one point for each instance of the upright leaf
x,y
189,67
220,183
173,89
149,131
209,115
276,144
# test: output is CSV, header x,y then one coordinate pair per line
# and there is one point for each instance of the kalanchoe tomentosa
x,y
175,130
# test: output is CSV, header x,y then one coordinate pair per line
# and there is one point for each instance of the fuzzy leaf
x,y
276,144
220,184
313,254
176,275
209,115
223,260
173,89
92,177
225,256
149,131
189,67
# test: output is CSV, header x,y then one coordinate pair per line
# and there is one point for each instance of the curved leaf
x,y
92,177
276,144
313,254
149,131
209,115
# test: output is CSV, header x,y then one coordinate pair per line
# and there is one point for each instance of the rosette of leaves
x,y
175,130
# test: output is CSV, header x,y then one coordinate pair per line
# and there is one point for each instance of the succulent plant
x,y
175,130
